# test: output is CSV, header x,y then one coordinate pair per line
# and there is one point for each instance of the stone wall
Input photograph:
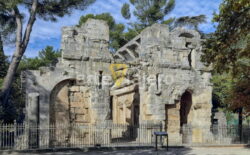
x,y
143,82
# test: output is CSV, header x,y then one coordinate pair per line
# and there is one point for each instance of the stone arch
x,y
59,111
186,35
60,89
173,119
182,32
126,105
185,107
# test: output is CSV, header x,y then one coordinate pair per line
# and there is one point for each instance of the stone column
x,y
173,123
201,119
33,108
33,119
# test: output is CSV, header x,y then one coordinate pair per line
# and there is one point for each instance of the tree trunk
x,y
21,45
10,76
1,45
240,124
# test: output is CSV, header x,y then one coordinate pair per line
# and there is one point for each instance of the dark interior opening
x,y
100,79
186,103
190,59
186,35
111,107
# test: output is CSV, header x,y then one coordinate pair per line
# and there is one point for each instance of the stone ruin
x,y
157,77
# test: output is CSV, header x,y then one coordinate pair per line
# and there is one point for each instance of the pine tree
x,y
148,12
43,9
228,50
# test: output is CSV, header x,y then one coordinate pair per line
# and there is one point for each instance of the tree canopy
x,y
228,50
46,57
148,12
3,61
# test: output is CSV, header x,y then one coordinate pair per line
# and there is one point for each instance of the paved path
x,y
172,151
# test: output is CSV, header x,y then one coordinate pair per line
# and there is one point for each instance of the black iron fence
x,y
24,136
216,135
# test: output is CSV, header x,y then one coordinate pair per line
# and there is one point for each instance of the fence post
x,y
1,132
240,124
15,134
27,133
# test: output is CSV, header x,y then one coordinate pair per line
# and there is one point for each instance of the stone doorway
x,y
59,103
125,113
125,105
69,106
186,103
125,109
70,103
177,117
185,107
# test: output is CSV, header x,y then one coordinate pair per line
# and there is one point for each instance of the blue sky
x,y
48,33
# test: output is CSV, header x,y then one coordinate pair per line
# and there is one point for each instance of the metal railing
x,y
215,135
25,136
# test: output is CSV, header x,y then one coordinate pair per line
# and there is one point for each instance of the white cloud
x,y
49,33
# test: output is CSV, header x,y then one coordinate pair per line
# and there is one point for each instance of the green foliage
x,y
116,37
49,10
148,12
228,50
125,11
230,43
240,95
169,7
9,4
192,21
7,27
1,82
11,111
46,9
130,34
104,16
12,20
222,84
83,19
231,117
47,56
168,21
3,61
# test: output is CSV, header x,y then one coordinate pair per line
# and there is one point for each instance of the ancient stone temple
x,y
157,77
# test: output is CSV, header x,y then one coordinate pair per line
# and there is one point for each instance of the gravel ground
x,y
171,151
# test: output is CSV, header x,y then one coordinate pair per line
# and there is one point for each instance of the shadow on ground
x,y
163,151
171,151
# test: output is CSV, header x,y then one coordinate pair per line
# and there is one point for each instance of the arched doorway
x,y
70,103
60,103
69,108
185,107
186,103
60,113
